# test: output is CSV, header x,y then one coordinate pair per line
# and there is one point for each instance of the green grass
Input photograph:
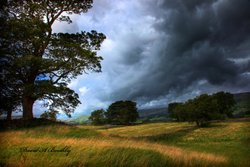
x,y
154,144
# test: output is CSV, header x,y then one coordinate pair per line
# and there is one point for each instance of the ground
x,y
153,144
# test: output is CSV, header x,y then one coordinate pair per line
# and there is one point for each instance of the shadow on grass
x,y
179,134
113,126
17,124
214,125
170,137
37,128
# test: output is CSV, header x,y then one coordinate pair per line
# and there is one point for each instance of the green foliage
x,y
176,111
122,112
49,115
97,117
8,86
9,103
118,113
204,108
226,102
40,63
242,107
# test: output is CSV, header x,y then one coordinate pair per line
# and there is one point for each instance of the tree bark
x,y
28,107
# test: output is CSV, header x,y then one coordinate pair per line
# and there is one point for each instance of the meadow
x,y
152,144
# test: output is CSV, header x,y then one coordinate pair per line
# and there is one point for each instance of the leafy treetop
x,y
122,112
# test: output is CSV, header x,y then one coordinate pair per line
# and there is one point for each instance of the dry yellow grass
x,y
145,129
178,155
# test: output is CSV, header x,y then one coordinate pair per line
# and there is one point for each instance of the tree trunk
x,y
9,113
28,107
197,123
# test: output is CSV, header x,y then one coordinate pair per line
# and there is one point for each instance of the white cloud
x,y
83,90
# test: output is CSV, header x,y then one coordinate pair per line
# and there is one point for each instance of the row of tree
x,y
118,113
203,108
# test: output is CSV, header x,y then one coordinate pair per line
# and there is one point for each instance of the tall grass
x,y
227,139
158,144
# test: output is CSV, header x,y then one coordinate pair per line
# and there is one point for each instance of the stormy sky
x,y
160,51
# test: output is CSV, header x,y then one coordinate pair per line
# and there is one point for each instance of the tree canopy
x,y
122,112
98,117
40,63
203,108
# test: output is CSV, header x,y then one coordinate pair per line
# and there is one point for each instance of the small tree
x,y
98,117
122,112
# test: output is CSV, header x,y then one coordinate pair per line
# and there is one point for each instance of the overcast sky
x,y
160,51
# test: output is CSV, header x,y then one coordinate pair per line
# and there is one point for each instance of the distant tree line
x,y
204,108
118,113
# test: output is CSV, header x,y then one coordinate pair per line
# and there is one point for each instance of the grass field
x,y
155,144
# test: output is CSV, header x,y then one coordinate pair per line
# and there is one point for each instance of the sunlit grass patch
x,y
145,129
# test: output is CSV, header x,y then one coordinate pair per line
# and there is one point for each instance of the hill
x,y
153,114
78,120
242,107
241,97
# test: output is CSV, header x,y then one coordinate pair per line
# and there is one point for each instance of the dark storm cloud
x,y
199,41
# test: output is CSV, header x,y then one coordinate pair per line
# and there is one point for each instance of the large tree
x,y
41,63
